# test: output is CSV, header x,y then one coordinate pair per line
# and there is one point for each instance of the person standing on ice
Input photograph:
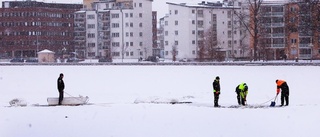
x,y
242,92
281,84
60,88
216,91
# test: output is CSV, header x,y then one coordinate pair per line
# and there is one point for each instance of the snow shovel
x,y
273,103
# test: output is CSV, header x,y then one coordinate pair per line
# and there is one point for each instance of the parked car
x,y
32,60
153,59
105,60
17,60
74,60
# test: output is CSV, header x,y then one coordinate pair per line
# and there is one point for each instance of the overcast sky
x,y
158,5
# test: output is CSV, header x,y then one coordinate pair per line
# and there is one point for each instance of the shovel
x,y
273,103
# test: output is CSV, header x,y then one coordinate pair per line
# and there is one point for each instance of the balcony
x,y
305,56
278,35
278,45
304,45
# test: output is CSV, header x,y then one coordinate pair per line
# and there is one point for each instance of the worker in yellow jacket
x,y
242,92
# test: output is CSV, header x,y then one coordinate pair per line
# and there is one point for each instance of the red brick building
x,y
27,27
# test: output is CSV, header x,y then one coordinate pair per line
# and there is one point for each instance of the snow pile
x,y
161,100
18,102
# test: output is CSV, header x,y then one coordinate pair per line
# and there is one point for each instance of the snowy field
x,y
121,101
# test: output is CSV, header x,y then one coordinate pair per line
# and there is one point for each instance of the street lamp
x,y
311,48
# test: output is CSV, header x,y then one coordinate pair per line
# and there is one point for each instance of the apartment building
x,y
27,27
118,29
187,27
289,30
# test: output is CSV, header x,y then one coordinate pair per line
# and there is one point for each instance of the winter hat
x,y
218,78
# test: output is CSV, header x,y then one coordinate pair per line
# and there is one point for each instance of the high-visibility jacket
x,y
279,85
243,90
216,86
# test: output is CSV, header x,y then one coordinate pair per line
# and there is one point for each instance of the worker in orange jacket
x,y
281,84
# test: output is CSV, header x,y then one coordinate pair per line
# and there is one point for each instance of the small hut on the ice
x,y
46,56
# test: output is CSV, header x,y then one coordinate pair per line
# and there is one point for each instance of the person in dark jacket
x,y
242,92
60,88
281,84
216,91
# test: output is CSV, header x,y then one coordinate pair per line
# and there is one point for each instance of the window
x,y
140,15
229,34
140,24
115,54
200,13
92,45
114,15
176,12
140,34
115,44
115,25
176,32
229,14
90,16
166,33
140,4
200,23
91,35
176,42
115,35
176,22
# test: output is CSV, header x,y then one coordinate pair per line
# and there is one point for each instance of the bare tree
x,y
250,20
174,52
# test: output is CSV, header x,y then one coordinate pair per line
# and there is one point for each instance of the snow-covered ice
x,y
122,101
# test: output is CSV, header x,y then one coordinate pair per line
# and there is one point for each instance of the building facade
x,y
27,27
189,27
289,30
118,29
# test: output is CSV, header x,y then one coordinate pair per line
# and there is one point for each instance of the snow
x,y
122,101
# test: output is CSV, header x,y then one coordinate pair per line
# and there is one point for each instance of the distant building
x,y
289,30
27,27
119,29
188,27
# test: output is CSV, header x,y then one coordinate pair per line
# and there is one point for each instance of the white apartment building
x,y
186,24
118,29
